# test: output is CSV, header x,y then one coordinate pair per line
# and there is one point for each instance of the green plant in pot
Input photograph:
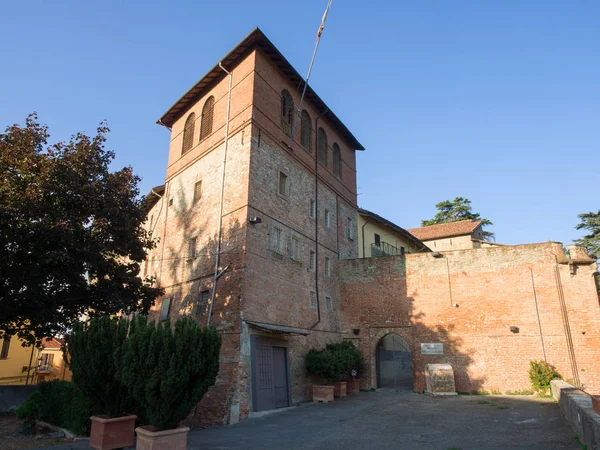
x,y
351,361
168,371
327,366
93,348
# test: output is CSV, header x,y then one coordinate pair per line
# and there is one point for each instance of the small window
x,y
402,251
277,241
47,359
170,202
377,240
312,259
312,209
322,147
305,131
5,347
165,308
296,249
350,229
327,266
192,248
328,304
151,220
197,191
337,161
188,133
287,111
203,301
327,219
313,300
206,125
283,184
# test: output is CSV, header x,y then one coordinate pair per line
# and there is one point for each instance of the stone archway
x,y
394,364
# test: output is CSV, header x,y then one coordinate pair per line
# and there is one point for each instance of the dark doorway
x,y
270,375
394,363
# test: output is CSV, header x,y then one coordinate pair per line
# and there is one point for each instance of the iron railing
x,y
385,249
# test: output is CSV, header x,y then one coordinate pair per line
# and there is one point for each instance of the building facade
x,y
258,233
461,235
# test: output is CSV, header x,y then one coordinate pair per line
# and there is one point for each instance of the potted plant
x,y
92,348
168,371
326,366
351,362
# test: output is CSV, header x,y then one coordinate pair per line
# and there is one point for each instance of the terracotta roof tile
x,y
443,230
53,343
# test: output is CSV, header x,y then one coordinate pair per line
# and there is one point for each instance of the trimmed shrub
x,y
169,371
541,374
349,357
59,403
324,364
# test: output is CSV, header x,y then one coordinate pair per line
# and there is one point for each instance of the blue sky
x,y
498,102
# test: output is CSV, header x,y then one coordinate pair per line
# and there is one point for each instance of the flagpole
x,y
312,61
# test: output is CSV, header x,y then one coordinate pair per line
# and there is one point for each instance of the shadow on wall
x,y
376,303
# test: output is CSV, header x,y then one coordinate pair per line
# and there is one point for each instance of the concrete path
x,y
399,420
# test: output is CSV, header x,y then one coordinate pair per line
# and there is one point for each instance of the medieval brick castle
x,y
268,227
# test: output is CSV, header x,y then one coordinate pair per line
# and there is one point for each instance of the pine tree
x,y
455,211
590,221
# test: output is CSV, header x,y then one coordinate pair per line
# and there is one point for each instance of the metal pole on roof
x,y
312,61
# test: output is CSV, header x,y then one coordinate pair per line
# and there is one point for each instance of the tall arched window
x,y
305,131
188,133
337,161
287,111
206,124
322,146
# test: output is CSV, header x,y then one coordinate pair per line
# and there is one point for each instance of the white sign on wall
x,y
432,349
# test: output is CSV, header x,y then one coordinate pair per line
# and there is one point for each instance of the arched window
x,y
207,118
337,161
305,131
322,146
188,133
287,111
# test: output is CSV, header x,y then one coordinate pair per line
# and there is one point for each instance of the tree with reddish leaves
x,y
71,236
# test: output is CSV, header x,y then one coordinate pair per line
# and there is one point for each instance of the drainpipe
x,y
218,255
363,237
29,367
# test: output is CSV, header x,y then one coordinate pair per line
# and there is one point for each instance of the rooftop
x,y
256,39
444,230
402,231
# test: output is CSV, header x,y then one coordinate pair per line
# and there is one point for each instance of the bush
x,y
168,371
324,364
541,374
94,348
349,357
59,403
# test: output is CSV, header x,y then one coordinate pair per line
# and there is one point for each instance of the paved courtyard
x,y
400,420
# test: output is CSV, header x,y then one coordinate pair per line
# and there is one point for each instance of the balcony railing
x,y
385,249
44,368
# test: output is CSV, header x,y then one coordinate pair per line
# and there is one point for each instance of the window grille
x,y
305,131
328,304
313,300
283,184
5,348
277,241
197,191
322,146
337,161
206,125
377,240
287,111
312,209
327,219
203,301
311,260
165,309
296,249
188,133
327,266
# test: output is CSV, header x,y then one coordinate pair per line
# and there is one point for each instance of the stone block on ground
x,y
439,379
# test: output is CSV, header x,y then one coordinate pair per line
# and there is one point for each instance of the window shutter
x,y
165,308
206,125
197,191
322,146
305,131
188,133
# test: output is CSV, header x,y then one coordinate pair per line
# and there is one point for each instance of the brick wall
x,y
413,296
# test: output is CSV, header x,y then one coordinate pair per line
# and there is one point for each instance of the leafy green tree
x,y
168,371
456,210
590,221
349,357
71,236
94,349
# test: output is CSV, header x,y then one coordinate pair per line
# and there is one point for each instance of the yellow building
x,y
380,237
461,235
31,365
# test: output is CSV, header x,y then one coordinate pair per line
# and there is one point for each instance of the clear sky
x,y
496,101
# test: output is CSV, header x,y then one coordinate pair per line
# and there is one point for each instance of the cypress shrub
x,y
168,371
94,348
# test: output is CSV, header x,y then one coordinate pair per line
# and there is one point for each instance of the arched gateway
x,y
394,363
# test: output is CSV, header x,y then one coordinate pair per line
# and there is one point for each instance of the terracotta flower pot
x,y
322,393
352,386
596,403
108,433
339,389
150,439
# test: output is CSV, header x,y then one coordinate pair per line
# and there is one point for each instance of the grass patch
x,y
544,395
496,392
368,390
480,393
523,392
582,446
463,393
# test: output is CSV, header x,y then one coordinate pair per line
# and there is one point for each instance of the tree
x,y
590,221
71,236
456,210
